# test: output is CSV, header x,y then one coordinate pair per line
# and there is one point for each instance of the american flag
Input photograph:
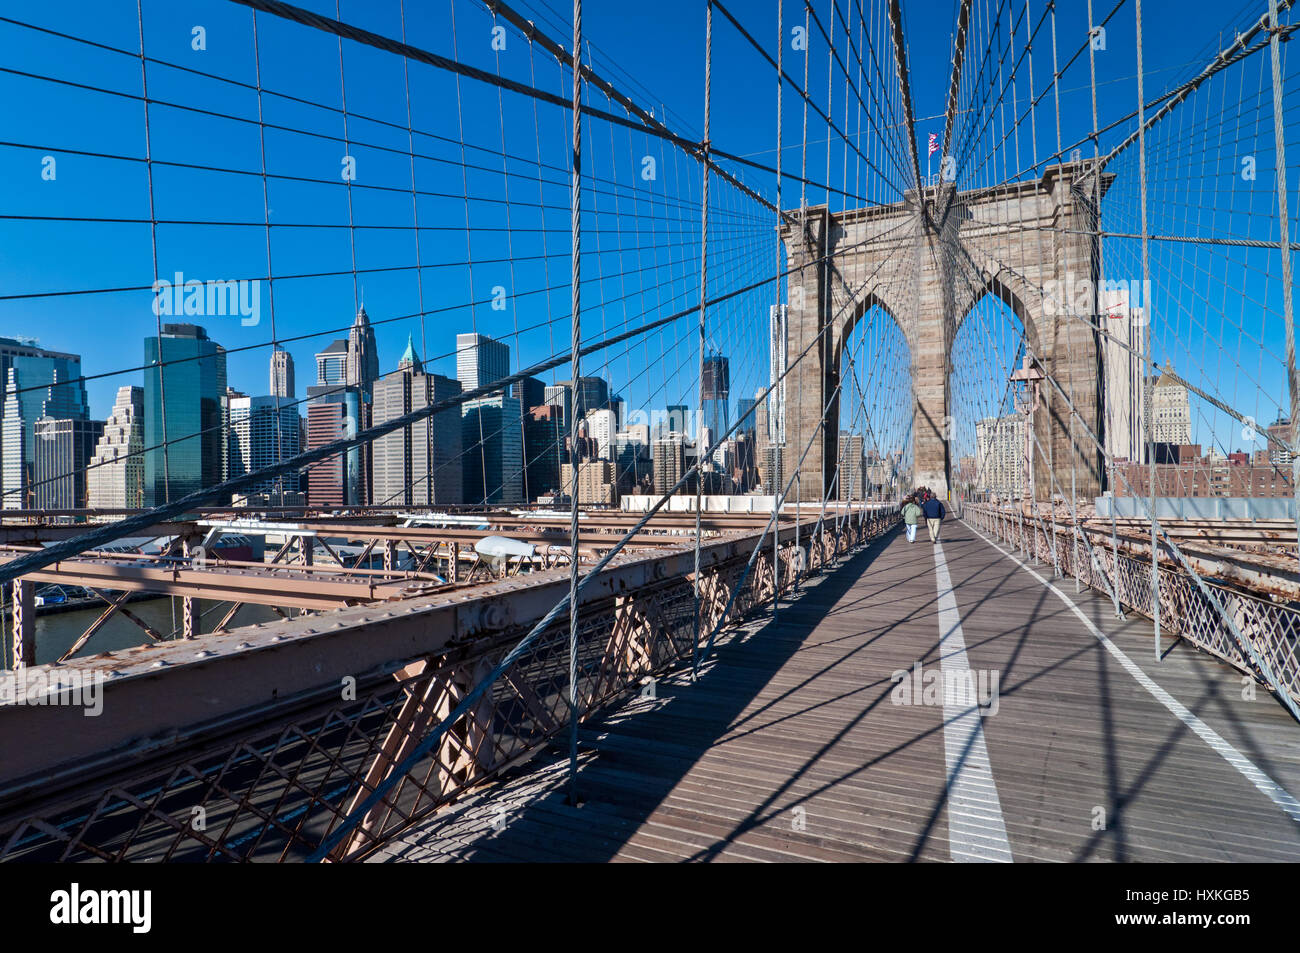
x,y
934,143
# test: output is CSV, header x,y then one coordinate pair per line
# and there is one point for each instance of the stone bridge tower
x,y
926,262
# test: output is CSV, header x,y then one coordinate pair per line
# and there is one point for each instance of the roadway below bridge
x,y
798,742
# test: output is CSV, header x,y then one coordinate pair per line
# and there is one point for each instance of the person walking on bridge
x,y
911,517
934,513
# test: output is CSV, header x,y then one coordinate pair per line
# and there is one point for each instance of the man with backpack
x,y
911,517
934,513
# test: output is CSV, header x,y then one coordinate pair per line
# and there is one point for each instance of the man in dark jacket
x,y
934,512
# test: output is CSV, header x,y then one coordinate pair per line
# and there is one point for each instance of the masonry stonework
x,y
926,262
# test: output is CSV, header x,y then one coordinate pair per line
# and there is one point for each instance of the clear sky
x,y
1221,327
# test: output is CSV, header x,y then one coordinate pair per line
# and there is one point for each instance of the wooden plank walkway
x,y
790,746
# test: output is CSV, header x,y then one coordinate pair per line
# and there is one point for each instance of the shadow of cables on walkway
x,y
635,752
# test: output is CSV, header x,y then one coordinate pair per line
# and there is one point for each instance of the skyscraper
x,y
480,360
597,485
1171,414
492,435
746,415
262,431
544,443
531,394
15,476
851,482
493,450
282,383
62,449
715,391
747,443
327,481
1280,431
332,364
340,480
676,419
602,425
37,383
362,355
184,382
631,456
421,463
669,462
592,394
116,476
777,337
530,391
1000,455
1121,356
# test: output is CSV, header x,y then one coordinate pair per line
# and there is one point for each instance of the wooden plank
x,y
789,746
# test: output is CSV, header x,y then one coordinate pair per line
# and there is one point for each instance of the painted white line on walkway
x,y
976,829
1270,788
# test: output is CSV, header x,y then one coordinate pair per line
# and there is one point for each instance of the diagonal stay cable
x,y
332,840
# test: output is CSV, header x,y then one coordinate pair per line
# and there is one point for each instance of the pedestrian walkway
x,y
1059,737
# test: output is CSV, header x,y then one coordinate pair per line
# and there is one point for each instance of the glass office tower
x,y
184,381
37,384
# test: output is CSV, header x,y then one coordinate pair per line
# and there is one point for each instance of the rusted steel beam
x,y
139,622
241,677
230,614
1247,532
322,587
191,620
1261,574
1258,574
530,533
24,599
108,613
34,534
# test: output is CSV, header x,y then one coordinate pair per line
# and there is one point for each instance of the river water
x,y
55,632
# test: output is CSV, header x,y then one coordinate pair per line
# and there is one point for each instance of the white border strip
x,y
1270,788
976,828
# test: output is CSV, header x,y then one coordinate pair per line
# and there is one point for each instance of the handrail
x,y
1265,607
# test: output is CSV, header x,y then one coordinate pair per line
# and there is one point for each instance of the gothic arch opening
x,y
986,427
873,438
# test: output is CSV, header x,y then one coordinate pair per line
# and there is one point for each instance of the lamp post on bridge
x,y
1033,378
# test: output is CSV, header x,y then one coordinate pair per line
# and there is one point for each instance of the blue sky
x,y
642,241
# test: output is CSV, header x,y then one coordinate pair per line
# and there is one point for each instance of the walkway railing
x,y
1272,624
276,788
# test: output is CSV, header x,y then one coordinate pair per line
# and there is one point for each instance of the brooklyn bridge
x,y
618,560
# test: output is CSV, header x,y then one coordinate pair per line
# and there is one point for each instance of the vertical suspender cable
x,y
431,480
1284,221
776,428
270,268
575,234
1056,79
826,295
700,445
352,232
1129,358
153,245
797,552
1150,321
